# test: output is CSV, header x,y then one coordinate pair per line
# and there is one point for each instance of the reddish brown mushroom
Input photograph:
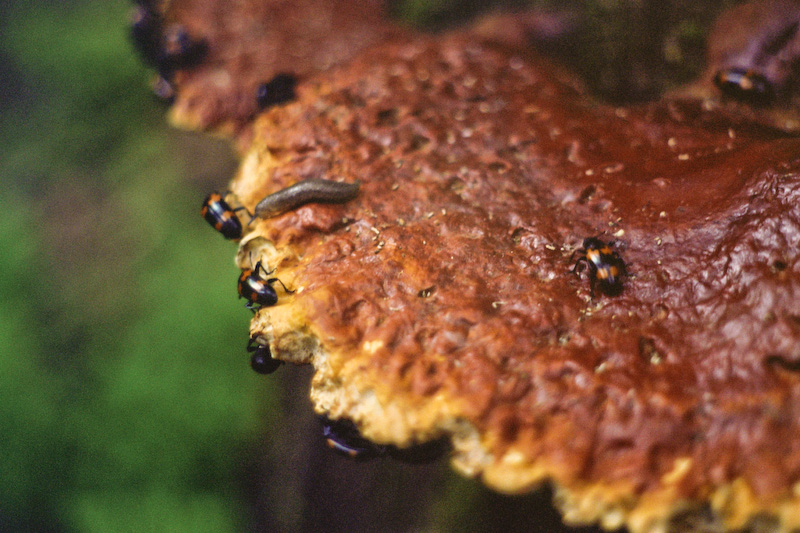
x,y
442,302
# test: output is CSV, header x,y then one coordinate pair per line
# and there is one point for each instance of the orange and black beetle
x,y
606,267
343,437
258,290
221,216
746,85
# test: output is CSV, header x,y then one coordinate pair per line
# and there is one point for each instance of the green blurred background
x,y
127,400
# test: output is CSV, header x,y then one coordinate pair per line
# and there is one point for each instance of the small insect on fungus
x,y
258,290
606,267
178,50
278,90
746,85
145,32
343,437
261,359
221,216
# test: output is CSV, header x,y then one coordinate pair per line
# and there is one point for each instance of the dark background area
x,y
127,400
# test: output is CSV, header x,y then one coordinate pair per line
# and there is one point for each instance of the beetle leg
x,y
243,208
273,280
581,262
264,270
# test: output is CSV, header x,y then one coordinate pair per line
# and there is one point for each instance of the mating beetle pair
x,y
256,289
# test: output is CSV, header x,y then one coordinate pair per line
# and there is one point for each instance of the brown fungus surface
x,y
251,41
441,300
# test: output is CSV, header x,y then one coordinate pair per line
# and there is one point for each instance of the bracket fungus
x,y
258,42
443,301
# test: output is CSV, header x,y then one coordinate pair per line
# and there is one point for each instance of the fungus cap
x,y
441,302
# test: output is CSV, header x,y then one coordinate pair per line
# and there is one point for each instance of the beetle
x,y
278,90
343,438
744,84
178,50
221,216
258,290
606,267
145,32
261,359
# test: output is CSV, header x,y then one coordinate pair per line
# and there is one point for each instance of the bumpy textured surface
x,y
441,300
253,40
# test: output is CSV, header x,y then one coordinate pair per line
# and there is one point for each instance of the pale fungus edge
x,y
343,386
352,391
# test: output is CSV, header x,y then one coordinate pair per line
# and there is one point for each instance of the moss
x,y
128,400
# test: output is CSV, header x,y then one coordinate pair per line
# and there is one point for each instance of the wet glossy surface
x,y
481,175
